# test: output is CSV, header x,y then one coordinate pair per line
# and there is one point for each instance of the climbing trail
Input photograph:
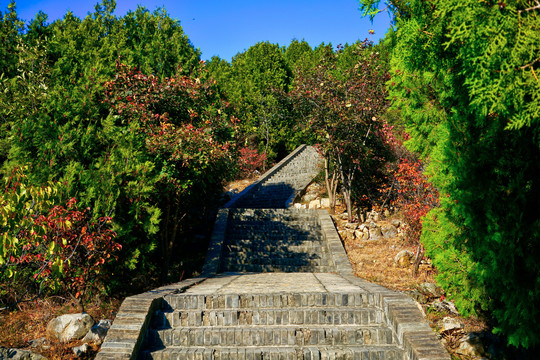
x,y
276,284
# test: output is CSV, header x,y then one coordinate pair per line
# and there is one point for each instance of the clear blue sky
x,y
226,27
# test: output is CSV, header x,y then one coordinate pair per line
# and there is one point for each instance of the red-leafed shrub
x,y
249,161
49,248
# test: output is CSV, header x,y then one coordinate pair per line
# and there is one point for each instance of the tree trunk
x,y
419,256
346,186
331,185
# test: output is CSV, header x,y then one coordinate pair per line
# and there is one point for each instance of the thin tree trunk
x,y
419,256
331,185
346,181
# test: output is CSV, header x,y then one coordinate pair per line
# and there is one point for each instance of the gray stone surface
x,y
18,354
69,327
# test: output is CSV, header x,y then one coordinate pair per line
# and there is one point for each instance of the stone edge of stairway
x,y
266,176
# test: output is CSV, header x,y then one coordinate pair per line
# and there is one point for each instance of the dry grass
x,y
374,261
29,322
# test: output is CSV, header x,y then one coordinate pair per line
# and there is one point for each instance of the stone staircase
x,y
227,318
278,187
276,284
264,240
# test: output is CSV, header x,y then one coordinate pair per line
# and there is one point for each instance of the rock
x,y
80,350
361,227
351,225
325,203
375,234
297,205
98,332
471,345
69,327
344,216
444,306
41,342
18,354
309,197
358,234
315,204
396,223
418,296
403,258
372,225
451,324
389,231
431,289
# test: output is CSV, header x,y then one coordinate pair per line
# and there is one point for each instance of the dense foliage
x,y
341,102
119,114
465,77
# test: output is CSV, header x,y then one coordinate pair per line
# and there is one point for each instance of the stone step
x,y
280,245
271,335
274,260
247,268
380,352
294,316
306,300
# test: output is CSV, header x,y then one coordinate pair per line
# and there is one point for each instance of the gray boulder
x,y
451,324
18,354
80,350
98,332
375,234
389,231
403,258
431,289
471,346
69,327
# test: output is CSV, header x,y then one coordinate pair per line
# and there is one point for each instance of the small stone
x,y
18,354
351,225
403,258
297,205
41,342
309,197
389,231
325,203
358,234
418,296
344,216
361,227
80,350
451,324
98,332
372,225
444,306
375,234
396,223
315,204
471,346
69,327
431,289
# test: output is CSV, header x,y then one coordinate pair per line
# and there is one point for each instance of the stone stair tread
x,y
345,352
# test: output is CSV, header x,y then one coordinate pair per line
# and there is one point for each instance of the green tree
x,y
468,70
342,106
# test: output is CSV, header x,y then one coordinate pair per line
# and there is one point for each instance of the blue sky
x,y
226,27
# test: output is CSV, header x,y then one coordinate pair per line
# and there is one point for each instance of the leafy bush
x,y
49,248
